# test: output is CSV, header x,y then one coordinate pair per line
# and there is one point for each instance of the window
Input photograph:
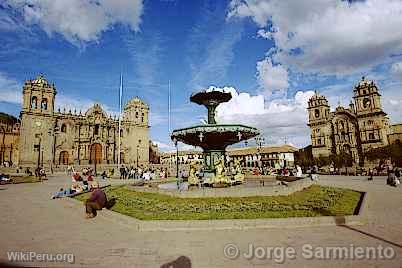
x,y
317,113
63,128
96,130
319,141
43,104
34,102
371,136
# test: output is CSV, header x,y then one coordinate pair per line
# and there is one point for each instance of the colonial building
x,y
267,156
353,130
52,138
10,133
272,156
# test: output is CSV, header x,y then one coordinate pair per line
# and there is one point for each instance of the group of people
x,y
141,173
394,176
96,201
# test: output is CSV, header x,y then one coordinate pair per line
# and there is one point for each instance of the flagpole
x,y
169,121
120,104
169,100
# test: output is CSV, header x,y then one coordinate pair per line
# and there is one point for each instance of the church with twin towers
x,y
50,138
353,130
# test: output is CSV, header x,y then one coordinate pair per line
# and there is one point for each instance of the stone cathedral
x,y
52,138
354,130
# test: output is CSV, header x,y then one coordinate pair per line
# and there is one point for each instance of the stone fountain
x,y
213,138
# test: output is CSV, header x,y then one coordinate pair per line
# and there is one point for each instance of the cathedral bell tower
x,y
38,96
367,98
373,121
37,123
319,112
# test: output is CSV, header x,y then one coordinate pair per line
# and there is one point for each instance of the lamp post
x,y
177,157
39,149
38,146
138,147
260,142
52,132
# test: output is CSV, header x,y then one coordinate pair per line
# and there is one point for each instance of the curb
x,y
235,224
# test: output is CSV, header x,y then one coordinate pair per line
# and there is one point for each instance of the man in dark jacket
x,y
97,201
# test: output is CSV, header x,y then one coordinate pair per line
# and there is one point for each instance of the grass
x,y
312,201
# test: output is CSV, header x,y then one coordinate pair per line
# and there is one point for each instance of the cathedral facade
x,y
353,130
52,138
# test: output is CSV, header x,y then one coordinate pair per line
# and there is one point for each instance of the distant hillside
x,y
8,118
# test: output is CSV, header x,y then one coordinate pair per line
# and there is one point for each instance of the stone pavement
x,y
31,222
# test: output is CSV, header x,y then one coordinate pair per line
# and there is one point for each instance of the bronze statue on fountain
x,y
213,138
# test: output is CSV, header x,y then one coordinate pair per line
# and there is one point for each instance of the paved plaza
x,y
31,222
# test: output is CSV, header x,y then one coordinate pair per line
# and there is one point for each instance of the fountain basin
x,y
214,137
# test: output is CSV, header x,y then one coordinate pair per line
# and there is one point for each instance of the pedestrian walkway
x,y
31,221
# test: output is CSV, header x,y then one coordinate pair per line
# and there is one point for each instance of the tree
x,y
391,152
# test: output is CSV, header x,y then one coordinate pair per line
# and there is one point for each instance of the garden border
x,y
361,218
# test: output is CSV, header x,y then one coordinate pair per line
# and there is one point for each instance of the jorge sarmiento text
x,y
280,254
31,256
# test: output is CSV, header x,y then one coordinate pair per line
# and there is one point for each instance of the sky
x,y
271,54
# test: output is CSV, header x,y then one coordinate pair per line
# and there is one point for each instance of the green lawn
x,y
313,201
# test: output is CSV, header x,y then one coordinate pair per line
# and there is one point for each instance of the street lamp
x,y
177,157
260,142
52,132
138,147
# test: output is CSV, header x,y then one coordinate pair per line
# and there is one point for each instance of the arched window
x,y
43,104
34,102
96,129
63,128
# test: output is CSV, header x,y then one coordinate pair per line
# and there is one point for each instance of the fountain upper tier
x,y
211,99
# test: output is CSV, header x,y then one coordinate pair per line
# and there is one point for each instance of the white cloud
x,y
278,120
396,70
164,147
264,34
210,46
327,36
273,79
79,20
10,90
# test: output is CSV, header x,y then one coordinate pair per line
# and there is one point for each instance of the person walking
x,y
371,173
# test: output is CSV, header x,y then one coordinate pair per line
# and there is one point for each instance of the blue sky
x,y
272,54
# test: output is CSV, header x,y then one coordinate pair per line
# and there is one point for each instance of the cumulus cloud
x,y
326,36
279,120
273,79
79,20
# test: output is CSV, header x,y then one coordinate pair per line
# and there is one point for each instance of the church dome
x,y
135,102
40,79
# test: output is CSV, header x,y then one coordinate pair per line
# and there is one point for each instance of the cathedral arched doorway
x,y
63,158
96,154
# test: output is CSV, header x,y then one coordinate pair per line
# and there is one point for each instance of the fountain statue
x,y
192,177
238,175
213,138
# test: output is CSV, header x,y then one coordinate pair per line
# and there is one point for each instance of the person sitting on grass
x,y
62,193
96,201
104,175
